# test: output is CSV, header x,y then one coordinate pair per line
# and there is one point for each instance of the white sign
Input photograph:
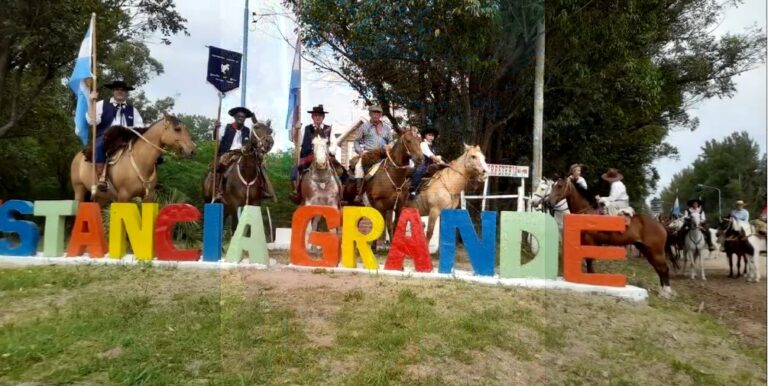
x,y
498,170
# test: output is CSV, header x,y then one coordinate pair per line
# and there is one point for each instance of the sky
x,y
220,23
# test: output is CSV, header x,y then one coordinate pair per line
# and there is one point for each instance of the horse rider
x,y
618,198
742,216
428,149
232,139
113,112
307,155
373,136
695,206
575,175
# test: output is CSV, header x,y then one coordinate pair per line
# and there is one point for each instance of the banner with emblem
x,y
224,69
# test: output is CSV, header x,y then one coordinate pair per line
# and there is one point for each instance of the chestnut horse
x,y
646,234
388,188
134,172
447,184
244,182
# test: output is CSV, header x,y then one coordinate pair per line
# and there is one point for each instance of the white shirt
x,y
581,182
618,192
699,211
237,141
119,118
425,150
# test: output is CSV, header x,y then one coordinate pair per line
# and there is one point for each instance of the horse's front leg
x,y
701,265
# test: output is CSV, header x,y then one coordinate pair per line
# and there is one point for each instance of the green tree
x,y
733,165
200,127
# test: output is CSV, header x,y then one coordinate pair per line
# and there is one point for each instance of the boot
x,y
268,191
102,176
708,238
359,197
218,188
296,193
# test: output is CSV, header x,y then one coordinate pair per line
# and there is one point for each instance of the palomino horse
x,y
647,234
388,188
320,185
133,172
447,184
694,244
244,182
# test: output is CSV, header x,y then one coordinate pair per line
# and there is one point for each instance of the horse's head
x,y
693,220
260,141
412,145
559,190
474,162
176,135
320,149
542,191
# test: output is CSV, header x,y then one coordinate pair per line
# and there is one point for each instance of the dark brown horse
x,y
244,181
387,190
645,233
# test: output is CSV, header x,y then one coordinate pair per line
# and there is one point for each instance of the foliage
x,y
619,75
200,127
733,165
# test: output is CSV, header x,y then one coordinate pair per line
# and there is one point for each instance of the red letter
x,y
414,246
88,232
328,241
166,219
575,252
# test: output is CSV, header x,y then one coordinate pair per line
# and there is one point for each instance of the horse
x,y
694,243
388,188
749,247
645,233
244,180
446,185
558,211
320,185
132,170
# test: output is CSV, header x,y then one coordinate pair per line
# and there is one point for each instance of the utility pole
x,y
538,106
244,70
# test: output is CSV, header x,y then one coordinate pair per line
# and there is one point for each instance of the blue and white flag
x,y
295,90
78,82
676,207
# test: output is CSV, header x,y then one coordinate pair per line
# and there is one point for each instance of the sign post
x,y
499,170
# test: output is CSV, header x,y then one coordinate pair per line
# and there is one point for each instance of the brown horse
x,y
388,188
645,233
244,181
133,172
447,184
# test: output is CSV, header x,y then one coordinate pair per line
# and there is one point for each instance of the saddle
x,y
116,140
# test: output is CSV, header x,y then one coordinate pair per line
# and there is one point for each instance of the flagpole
x,y
92,103
297,110
216,151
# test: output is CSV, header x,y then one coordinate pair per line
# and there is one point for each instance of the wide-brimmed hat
x,y
691,201
119,84
248,113
430,130
318,110
612,175
375,109
740,202
574,166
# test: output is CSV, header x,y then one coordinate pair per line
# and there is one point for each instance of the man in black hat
x,y
306,155
113,112
234,136
428,149
695,206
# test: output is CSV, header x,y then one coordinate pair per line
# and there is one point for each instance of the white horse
x,y
758,243
539,202
694,244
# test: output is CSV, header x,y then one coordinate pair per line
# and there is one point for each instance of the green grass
x,y
149,326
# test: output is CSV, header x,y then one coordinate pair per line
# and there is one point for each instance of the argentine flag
x,y
293,95
77,83
676,207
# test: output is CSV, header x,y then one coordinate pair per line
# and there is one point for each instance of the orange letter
x,y
575,252
328,241
88,232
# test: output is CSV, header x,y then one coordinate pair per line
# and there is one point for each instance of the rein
x,y
246,183
147,141
147,183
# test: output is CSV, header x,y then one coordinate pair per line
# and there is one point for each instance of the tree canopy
x,y
619,75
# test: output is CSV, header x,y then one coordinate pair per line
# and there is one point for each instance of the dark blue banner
x,y
224,69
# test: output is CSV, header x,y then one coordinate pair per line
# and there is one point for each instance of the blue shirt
x,y
740,214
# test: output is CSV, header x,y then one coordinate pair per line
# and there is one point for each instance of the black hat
x,y
248,113
119,84
691,201
430,130
318,110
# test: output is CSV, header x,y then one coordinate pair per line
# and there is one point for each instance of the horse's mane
x,y
585,193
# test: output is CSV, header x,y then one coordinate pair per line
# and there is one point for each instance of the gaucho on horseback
x,y
232,140
373,140
695,207
307,155
113,112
